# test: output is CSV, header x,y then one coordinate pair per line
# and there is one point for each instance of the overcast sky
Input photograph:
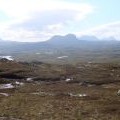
x,y
38,20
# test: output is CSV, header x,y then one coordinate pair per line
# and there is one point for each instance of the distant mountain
x,y
109,39
83,48
57,41
66,40
83,42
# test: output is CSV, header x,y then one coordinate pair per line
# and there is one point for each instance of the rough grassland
x,y
50,97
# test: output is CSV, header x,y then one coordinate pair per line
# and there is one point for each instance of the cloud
x,y
26,36
21,8
104,31
33,20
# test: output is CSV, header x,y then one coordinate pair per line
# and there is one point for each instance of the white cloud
x,y
104,31
26,36
35,19
55,27
20,8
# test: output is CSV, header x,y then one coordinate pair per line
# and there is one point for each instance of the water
x,y
7,57
61,57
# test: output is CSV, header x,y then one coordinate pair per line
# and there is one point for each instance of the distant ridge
x,y
59,42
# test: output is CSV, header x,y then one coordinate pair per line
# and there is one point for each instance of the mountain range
x,y
85,47
57,41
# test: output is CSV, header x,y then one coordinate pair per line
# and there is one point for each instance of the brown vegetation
x,y
90,93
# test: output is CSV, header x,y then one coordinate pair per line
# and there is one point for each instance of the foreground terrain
x,y
39,91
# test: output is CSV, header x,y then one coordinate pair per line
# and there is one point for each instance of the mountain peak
x,y
70,36
68,39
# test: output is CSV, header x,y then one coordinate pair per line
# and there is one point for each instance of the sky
x,y
39,20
